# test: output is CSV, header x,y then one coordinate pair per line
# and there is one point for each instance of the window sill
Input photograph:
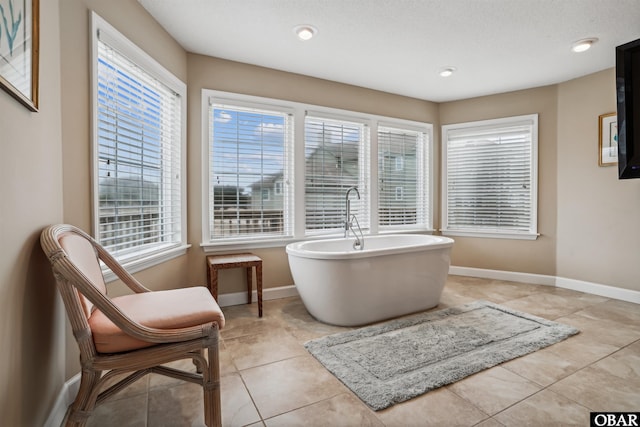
x,y
491,235
407,230
145,262
249,244
235,245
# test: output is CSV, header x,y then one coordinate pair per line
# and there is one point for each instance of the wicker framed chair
x,y
132,334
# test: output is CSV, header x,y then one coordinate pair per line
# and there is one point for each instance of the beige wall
x,y
212,73
31,316
587,218
525,256
131,19
598,215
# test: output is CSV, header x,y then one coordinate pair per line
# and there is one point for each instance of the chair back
x,y
75,265
82,254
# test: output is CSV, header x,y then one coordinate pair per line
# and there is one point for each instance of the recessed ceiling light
x,y
447,71
583,45
305,32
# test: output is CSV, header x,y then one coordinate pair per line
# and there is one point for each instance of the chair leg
x,y
80,410
211,385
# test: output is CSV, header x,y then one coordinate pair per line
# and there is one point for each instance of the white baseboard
x,y
65,398
226,300
560,282
512,276
598,289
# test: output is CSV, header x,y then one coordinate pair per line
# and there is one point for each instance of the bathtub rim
x,y
296,249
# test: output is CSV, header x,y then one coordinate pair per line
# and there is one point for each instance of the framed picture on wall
x,y
608,140
19,50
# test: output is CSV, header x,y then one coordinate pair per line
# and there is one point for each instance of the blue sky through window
x,y
248,147
129,137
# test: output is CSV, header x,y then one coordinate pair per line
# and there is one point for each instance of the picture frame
x,y
608,139
19,50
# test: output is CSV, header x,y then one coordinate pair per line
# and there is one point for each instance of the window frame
x,y
532,232
424,187
299,112
209,98
363,172
136,260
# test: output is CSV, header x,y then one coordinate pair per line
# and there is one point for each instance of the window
x,y
490,178
139,135
276,170
249,155
399,193
402,178
335,160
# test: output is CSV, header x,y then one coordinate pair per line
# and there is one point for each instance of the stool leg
x,y
249,284
209,276
259,287
214,283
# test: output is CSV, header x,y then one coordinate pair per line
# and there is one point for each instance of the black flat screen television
x,y
628,94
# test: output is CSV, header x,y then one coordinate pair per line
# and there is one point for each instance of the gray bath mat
x,y
397,360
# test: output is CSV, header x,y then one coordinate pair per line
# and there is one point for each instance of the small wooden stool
x,y
219,262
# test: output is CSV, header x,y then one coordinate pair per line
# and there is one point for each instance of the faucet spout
x,y
349,190
347,202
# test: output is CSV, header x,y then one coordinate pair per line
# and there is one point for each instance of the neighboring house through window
x,y
335,160
403,177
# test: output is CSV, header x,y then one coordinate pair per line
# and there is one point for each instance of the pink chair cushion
x,y
81,253
177,308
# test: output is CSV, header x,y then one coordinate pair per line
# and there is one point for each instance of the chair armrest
x,y
118,270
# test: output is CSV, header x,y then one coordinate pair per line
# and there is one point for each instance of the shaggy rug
x,y
391,362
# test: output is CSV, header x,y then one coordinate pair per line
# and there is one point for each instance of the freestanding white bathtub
x,y
393,275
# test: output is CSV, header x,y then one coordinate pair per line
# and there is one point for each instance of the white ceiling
x,y
399,46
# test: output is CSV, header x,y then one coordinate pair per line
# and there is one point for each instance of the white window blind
x,y
250,164
138,122
335,160
403,178
490,175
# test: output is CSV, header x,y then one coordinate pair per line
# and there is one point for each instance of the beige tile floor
x,y
269,379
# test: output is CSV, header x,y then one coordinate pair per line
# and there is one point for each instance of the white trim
x,y
245,244
490,235
628,295
337,115
622,294
65,398
140,264
512,276
238,298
